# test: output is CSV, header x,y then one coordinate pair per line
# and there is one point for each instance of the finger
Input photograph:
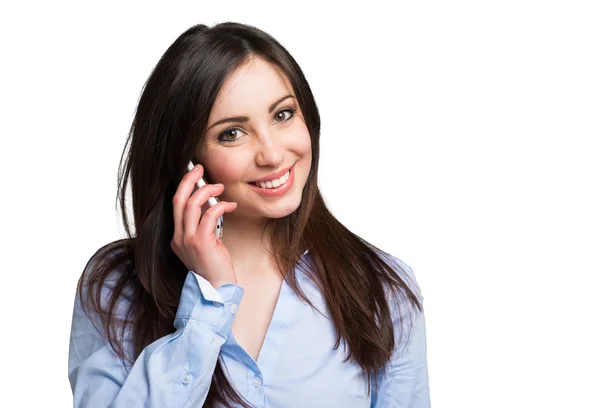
x,y
208,223
193,208
182,194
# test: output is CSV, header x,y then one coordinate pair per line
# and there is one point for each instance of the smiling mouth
x,y
273,183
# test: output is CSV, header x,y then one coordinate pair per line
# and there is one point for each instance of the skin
x,y
234,154
273,137
266,143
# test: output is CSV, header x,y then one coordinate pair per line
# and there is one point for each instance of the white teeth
x,y
274,183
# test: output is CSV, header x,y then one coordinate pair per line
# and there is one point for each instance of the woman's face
x,y
256,129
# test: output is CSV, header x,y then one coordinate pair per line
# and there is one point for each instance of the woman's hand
x,y
194,240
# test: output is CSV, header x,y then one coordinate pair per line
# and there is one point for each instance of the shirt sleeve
x,y
173,371
404,383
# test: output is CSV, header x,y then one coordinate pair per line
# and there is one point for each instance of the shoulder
x,y
101,305
115,254
402,270
103,299
103,281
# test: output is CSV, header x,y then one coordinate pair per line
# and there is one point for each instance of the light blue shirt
x,y
297,366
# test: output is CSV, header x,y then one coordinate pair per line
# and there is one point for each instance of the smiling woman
x,y
257,143
173,316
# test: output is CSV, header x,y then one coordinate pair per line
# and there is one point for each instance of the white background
x,y
462,137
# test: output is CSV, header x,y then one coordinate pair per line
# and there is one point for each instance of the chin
x,y
281,210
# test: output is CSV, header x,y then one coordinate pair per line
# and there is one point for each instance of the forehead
x,y
250,88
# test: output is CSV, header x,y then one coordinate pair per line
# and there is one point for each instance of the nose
x,y
270,152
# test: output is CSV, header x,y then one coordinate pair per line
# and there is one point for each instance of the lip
x,y
273,176
277,191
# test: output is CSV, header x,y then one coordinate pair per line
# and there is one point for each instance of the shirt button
x,y
217,304
256,382
234,308
186,379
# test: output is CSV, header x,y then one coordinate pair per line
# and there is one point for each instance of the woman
x,y
288,308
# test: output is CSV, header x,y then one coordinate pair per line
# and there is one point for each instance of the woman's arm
x,y
174,371
405,381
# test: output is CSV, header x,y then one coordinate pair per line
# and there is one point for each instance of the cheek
x,y
302,141
223,169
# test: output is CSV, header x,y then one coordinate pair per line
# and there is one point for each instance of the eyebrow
x,y
245,118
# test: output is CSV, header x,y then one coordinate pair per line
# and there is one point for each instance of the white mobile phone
x,y
211,202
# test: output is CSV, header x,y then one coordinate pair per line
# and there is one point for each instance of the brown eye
x,y
229,135
284,115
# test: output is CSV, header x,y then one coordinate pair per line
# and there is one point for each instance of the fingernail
x,y
196,167
218,184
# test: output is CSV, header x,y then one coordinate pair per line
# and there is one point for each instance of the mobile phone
x,y
211,202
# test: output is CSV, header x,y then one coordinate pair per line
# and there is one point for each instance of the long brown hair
x,y
169,124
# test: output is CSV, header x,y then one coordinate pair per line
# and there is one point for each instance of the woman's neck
x,y
250,249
